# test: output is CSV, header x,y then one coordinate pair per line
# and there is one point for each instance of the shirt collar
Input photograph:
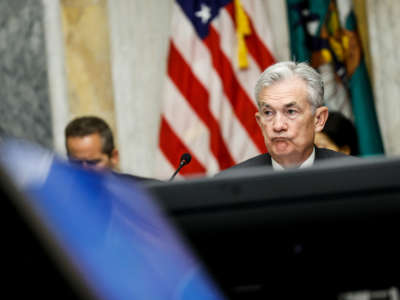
x,y
307,163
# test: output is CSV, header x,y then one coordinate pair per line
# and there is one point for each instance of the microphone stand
x,y
185,159
177,170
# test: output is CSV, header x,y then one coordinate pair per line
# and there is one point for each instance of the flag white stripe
x,y
238,141
246,77
188,127
269,19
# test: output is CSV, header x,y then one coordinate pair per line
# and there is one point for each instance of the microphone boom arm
x,y
185,159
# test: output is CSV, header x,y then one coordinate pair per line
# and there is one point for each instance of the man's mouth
x,y
279,139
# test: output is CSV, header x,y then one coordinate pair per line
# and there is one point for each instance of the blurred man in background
x,y
339,134
90,143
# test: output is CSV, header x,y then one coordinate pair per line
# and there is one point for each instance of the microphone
x,y
185,159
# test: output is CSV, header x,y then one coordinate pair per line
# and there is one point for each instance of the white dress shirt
x,y
307,163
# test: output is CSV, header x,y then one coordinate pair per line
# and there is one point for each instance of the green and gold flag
x,y
325,34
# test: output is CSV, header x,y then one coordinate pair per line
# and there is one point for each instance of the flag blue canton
x,y
201,13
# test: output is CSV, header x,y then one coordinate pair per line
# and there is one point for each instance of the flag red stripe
x,y
256,47
242,105
258,51
173,148
198,98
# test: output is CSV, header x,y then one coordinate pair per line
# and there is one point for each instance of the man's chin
x,y
281,148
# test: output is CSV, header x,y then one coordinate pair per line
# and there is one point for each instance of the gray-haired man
x,y
291,111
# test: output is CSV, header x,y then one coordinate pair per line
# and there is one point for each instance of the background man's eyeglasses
x,y
81,162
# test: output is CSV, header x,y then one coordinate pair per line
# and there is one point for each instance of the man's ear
x,y
114,158
321,115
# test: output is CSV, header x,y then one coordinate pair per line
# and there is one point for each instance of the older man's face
x,y
287,121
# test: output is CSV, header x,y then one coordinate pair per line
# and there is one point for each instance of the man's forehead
x,y
281,103
91,144
285,93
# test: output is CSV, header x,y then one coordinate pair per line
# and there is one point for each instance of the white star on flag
x,y
204,13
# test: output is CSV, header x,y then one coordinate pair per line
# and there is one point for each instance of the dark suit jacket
x,y
265,160
135,178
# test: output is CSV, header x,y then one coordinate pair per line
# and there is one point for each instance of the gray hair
x,y
287,69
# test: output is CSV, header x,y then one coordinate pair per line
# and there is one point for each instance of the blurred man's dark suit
x,y
134,178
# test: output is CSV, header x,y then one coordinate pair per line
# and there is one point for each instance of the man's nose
x,y
88,166
85,165
279,123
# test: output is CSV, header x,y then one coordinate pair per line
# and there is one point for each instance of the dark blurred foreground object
x,y
30,271
318,233
79,234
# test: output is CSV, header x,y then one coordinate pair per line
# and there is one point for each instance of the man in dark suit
x,y
90,143
291,111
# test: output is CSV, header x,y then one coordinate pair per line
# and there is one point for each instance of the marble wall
x,y
384,36
58,91
87,59
139,45
24,99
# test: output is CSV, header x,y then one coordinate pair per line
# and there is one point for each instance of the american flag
x,y
217,50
